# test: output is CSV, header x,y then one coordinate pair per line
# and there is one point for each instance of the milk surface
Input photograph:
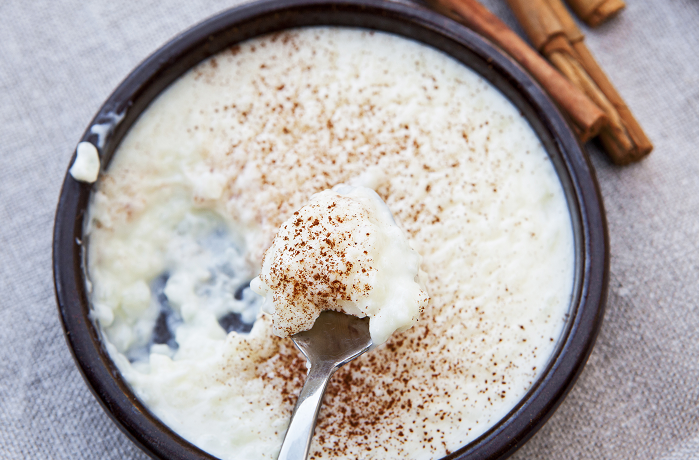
x,y
198,188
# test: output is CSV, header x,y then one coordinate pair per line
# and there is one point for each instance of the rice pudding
x,y
197,190
342,251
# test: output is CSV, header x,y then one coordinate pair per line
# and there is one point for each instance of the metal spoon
x,y
334,340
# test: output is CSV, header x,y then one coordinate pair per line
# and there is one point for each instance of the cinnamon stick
x,y
635,132
539,22
595,12
553,32
565,19
643,145
586,116
614,137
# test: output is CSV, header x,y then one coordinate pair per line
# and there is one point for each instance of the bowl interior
x,y
141,87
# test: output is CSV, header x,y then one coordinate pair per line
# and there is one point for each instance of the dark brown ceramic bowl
x,y
233,26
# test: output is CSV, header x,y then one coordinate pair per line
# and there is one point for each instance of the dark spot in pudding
x,y
233,322
239,292
168,319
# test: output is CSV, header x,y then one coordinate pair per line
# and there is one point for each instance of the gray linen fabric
x,y
638,397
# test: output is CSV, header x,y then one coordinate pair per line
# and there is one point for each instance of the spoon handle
x,y
297,441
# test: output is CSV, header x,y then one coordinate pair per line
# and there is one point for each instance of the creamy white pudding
x,y
342,251
86,166
197,190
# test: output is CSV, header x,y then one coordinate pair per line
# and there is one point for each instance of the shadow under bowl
x,y
145,83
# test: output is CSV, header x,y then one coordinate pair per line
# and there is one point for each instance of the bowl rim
x,y
237,24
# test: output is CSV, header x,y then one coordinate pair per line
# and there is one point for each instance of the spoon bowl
x,y
334,340
334,337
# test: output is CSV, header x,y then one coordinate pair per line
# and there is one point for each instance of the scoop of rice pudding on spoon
x,y
342,252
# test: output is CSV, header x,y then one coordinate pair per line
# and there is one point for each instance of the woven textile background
x,y
638,397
